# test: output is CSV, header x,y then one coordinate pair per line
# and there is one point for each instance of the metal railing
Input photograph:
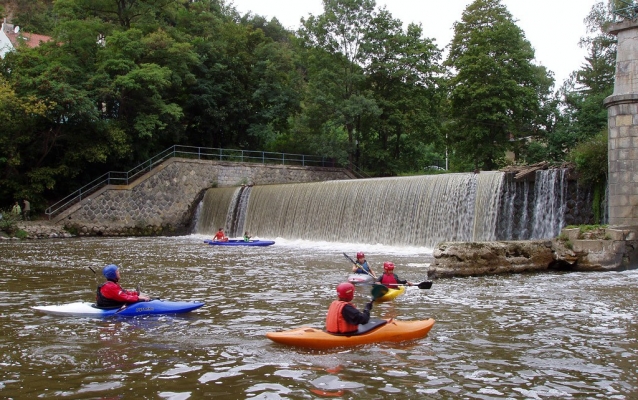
x,y
629,11
192,152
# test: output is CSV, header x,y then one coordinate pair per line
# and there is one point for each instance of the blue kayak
x,y
153,307
240,242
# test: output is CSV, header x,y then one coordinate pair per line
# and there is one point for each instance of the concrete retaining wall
x,y
163,200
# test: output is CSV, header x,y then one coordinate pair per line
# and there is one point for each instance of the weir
x,y
409,211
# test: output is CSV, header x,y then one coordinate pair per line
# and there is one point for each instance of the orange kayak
x,y
375,331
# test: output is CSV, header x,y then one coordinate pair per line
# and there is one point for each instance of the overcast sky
x,y
553,27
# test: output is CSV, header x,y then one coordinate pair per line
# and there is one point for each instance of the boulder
x,y
488,258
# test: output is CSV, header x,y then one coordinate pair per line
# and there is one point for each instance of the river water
x,y
532,336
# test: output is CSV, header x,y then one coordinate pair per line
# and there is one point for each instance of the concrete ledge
x,y
617,99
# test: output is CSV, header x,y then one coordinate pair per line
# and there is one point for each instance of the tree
x,y
340,33
15,139
402,76
371,87
583,114
495,90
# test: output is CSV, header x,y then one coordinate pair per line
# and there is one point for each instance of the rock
x,y
604,249
488,258
42,229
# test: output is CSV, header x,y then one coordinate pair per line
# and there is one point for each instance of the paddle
x,y
425,285
379,290
422,285
356,263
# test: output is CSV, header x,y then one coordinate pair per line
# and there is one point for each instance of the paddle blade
x,y
378,291
425,285
348,257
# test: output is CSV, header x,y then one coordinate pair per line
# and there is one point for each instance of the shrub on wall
x,y
590,158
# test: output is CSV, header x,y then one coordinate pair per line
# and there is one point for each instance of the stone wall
x,y
163,200
622,112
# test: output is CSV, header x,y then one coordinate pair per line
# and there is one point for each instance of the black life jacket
x,y
103,302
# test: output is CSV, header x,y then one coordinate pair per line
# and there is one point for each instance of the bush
x,y
590,158
8,222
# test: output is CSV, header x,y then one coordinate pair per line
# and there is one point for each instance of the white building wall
x,y
5,43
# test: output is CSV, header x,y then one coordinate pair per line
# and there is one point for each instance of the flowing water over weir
x,y
409,211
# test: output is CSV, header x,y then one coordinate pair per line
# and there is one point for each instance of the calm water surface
x,y
538,336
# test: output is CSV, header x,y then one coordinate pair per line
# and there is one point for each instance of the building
x,y
11,38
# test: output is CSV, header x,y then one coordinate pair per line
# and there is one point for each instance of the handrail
x,y
206,153
630,11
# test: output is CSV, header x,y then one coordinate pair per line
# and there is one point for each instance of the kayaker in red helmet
x,y
362,266
111,294
343,316
390,279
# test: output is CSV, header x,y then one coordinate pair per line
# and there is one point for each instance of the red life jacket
x,y
220,236
389,280
335,323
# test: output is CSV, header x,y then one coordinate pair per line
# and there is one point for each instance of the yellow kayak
x,y
390,330
392,293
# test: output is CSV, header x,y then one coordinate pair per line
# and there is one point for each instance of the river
x,y
528,336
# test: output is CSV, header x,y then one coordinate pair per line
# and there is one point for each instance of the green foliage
x,y
8,222
588,228
73,230
34,16
124,80
372,81
496,91
582,114
590,158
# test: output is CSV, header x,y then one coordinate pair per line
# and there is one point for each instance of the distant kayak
x,y
153,307
360,279
239,242
375,331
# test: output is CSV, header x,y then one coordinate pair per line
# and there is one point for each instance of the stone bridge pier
x,y
622,111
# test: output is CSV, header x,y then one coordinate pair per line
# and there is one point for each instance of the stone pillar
x,y
622,112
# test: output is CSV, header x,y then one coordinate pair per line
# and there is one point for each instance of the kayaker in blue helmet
x,y
343,316
111,294
362,266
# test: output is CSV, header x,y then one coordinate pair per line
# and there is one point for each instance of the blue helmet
x,y
110,271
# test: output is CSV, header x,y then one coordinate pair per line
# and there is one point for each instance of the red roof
x,y
25,38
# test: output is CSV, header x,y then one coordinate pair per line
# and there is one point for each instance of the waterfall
x,y
409,211
487,201
217,206
550,195
413,211
533,210
237,212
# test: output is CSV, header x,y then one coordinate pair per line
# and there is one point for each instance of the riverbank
x,y
40,229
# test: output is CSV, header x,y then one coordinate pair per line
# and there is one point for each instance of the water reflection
x,y
519,336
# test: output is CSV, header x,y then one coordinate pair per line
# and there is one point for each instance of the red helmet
x,y
361,255
388,266
345,291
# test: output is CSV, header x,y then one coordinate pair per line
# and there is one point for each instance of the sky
x,y
553,27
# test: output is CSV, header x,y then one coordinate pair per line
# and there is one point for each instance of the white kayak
x,y
360,279
153,307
